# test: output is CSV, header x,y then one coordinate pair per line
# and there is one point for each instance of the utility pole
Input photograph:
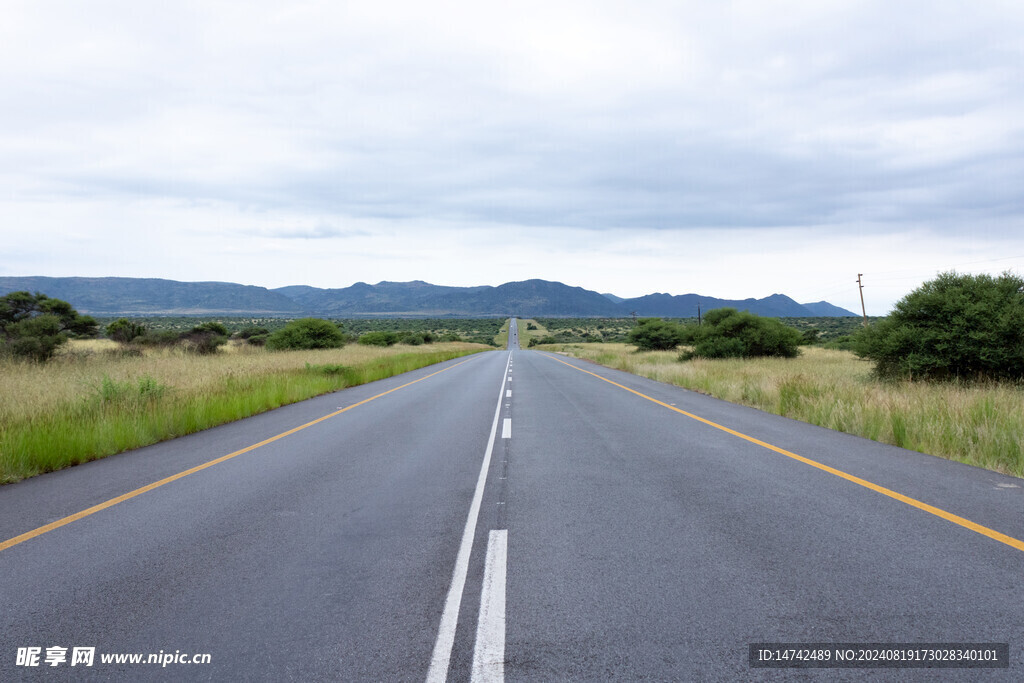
x,y
634,318
860,285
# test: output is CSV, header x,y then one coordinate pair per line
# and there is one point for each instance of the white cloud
x,y
602,144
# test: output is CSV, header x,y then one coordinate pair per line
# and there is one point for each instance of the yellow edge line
x,y
180,475
938,512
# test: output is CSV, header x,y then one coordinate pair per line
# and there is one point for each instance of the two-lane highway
x,y
515,514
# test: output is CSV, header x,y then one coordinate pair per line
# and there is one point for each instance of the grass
x,y
981,425
501,338
94,400
526,334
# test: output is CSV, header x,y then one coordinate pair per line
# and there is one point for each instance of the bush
x,y
307,333
379,338
34,325
728,333
655,334
255,336
204,342
416,338
124,331
954,327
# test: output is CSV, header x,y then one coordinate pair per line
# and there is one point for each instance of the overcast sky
x,y
731,149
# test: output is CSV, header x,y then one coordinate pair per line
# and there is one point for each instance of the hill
x,y
113,296
150,296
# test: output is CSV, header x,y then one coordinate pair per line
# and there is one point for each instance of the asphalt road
x,y
516,514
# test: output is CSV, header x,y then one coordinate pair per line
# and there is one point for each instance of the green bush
x,y
655,334
728,333
954,327
124,331
255,336
379,338
34,325
307,333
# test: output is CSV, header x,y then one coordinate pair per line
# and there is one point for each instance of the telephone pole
x,y
860,285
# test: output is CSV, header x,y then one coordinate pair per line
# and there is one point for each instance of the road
x,y
516,514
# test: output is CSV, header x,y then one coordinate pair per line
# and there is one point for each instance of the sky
x,y
732,149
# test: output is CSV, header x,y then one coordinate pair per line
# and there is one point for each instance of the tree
x,y
34,325
953,327
307,333
655,334
728,333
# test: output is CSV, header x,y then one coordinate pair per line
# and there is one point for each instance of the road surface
x,y
514,514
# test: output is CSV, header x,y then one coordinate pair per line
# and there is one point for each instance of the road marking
x,y
441,657
508,394
489,652
506,428
181,475
913,502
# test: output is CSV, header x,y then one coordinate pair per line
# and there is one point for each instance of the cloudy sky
x,y
729,148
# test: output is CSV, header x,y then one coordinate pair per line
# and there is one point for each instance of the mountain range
x,y
115,296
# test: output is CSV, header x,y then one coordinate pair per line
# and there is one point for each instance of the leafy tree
x,y
34,325
307,333
124,330
655,334
728,333
955,326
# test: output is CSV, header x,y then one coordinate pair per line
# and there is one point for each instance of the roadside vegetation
x,y
257,329
98,397
956,327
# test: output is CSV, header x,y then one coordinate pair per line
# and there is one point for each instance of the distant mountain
x,y
824,309
685,306
531,298
146,296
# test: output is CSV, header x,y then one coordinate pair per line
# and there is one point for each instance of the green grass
x,y
501,338
113,415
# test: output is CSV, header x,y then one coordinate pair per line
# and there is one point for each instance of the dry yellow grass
x,y
977,424
32,389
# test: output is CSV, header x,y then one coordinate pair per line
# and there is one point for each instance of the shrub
x,y
203,342
728,333
206,338
954,327
255,336
655,334
307,333
124,331
416,338
379,338
34,325
213,327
